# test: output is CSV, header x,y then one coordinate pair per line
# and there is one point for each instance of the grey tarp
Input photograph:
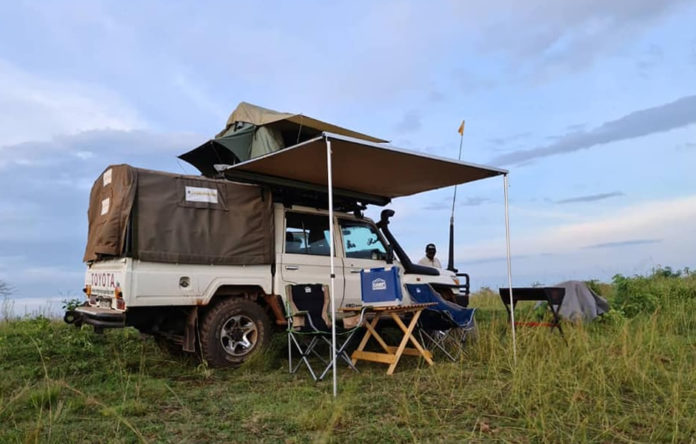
x,y
164,217
580,303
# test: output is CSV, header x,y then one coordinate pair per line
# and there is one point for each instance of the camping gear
x,y
580,302
252,131
553,296
380,287
308,326
361,170
391,354
172,218
443,322
368,172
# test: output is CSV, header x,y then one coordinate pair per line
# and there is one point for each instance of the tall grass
x,y
626,379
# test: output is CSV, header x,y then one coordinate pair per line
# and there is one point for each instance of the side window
x,y
361,241
307,234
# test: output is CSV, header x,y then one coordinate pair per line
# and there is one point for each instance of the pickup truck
x,y
228,311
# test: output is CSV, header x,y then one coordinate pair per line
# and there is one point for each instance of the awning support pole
x,y
509,269
331,255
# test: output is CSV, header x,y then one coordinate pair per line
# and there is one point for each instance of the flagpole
x,y
450,261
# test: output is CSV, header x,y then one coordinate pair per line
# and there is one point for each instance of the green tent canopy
x,y
252,131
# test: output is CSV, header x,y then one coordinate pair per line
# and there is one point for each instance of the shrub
x,y
645,294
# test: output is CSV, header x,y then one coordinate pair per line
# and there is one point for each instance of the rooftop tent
x,y
252,131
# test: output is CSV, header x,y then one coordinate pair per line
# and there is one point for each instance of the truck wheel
x,y
232,331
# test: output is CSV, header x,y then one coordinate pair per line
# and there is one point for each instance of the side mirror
x,y
390,254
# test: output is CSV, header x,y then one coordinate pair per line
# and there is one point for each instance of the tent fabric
x,y
253,131
580,303
266,140
110,204
363,167
259,116
162,217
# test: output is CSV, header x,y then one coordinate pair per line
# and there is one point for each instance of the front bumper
x,y
95,316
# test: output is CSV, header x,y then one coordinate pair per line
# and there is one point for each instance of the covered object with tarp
x,y
252,131
580,303
162,217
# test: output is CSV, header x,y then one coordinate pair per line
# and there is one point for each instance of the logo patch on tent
x,y
379,284
105,204
198,194
107,177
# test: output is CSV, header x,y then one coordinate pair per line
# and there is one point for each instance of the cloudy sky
x,y
590,104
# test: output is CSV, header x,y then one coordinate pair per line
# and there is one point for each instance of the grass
x,y
621,380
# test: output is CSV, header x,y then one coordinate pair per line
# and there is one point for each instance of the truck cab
x,y
302,235
224,311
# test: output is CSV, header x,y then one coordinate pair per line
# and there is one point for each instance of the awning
x,y
361,167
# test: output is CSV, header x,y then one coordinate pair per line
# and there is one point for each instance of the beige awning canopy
x,y
362,167
259,116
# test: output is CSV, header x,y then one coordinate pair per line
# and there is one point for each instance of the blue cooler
x,y
380,287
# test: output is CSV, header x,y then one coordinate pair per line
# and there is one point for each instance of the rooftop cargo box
x,y
163,217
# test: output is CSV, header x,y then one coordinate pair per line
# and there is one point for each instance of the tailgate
x,y
105,283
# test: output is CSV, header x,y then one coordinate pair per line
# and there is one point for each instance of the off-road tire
x,y
227,329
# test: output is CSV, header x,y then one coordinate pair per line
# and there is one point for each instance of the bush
x,y
646,294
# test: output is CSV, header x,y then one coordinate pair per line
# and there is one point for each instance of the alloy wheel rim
x,y
238,335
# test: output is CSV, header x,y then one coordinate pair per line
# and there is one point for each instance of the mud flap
x,y
189,344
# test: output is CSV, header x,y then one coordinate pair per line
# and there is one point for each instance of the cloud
x,y
567,35
590,198
499,141
686,146
490,260
625,243
41,108
649,58
410,122
97,147
668,220
677,114
47,185
447,203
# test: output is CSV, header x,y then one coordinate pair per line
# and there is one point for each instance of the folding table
x,y
390,354
553,296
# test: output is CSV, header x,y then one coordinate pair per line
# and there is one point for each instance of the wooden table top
x,y
390,308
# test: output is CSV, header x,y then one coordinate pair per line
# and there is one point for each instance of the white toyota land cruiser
x,y
201,262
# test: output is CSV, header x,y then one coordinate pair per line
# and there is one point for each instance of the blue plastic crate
x,y
380,287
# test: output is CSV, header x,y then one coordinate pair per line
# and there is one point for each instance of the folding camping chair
x,y
444,322
309,325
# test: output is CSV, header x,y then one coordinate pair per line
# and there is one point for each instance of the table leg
x,y
370,325
407,334
426,354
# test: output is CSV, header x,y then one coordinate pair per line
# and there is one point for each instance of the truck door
x,y
364,248
305,258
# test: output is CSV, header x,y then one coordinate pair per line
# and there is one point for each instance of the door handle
x,y
356,271
292,267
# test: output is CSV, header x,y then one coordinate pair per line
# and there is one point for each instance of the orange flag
x,y
461,128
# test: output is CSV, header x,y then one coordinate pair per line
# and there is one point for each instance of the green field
x,y
630,377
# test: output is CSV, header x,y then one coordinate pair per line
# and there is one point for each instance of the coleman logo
x,y
379,284
104,280
198,194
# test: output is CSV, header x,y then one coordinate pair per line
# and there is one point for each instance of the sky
x,y
591,106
